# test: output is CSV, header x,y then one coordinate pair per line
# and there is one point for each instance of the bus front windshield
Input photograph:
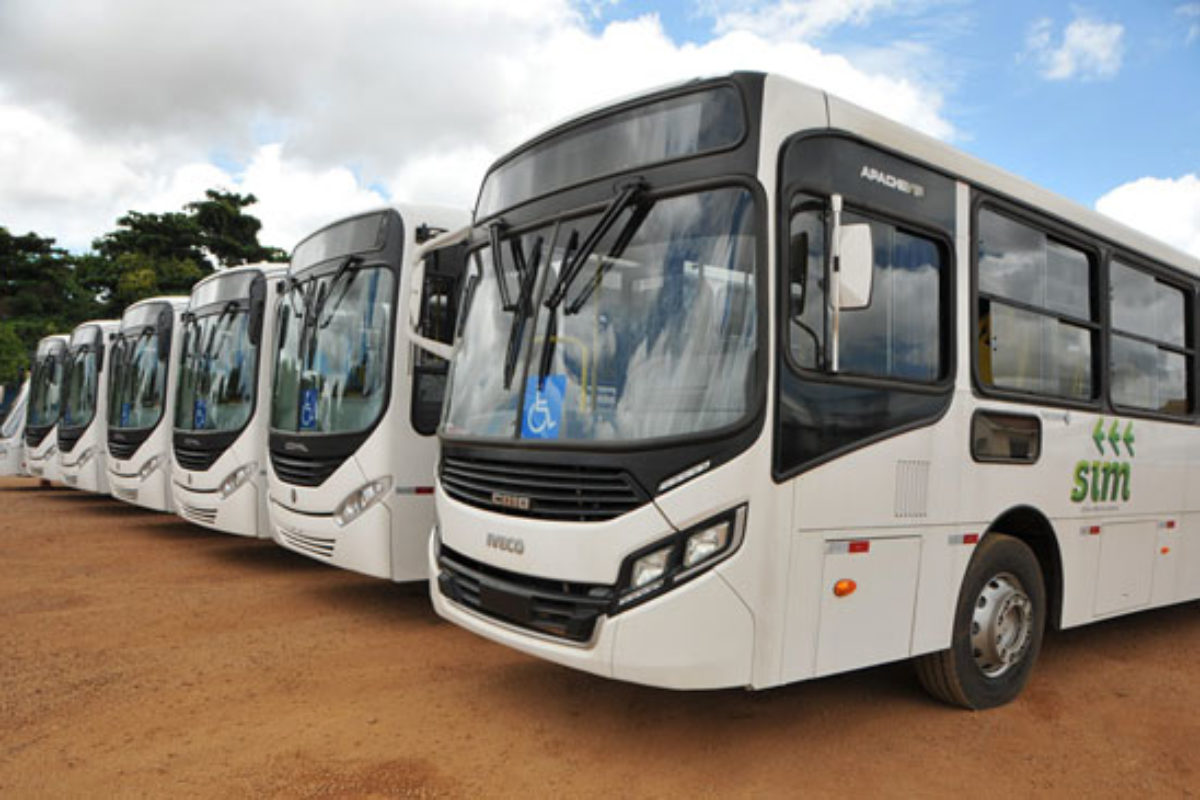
x,y
137,383
83,380
217,371
331,366
654,336
46,386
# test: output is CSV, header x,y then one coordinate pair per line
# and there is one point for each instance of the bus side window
x,y
430,371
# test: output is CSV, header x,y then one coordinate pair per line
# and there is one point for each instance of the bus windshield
x,y
217,371
331,365
83,381
654,335
137,383
46,385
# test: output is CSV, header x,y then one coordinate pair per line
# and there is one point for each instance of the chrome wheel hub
x,y
1001,625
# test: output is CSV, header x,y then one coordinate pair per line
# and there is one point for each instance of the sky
x,y
322,109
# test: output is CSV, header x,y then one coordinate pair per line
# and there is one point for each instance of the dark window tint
x,y
438,302
1037,321
898,335
1018,262
1149,364
996,436
1031,352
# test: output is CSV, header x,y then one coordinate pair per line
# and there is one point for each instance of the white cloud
x,y
108,105
1165,208
1089,49
797,19
1190,12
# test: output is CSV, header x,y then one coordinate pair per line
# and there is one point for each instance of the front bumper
x,y
236,514
697,636
362,546
150,493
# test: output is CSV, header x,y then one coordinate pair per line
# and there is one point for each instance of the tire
x,y
998,626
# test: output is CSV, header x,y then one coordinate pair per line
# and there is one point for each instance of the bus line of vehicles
x,y
730,384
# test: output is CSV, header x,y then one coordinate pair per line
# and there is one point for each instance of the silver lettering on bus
x,y
509,544
891,181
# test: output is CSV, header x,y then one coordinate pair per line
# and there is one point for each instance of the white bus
x,y
755,386
140,390
45,406
83,425
220,447
12,435
355,406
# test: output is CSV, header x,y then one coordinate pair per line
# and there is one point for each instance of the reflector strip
x,y
414,490
964,538
845,547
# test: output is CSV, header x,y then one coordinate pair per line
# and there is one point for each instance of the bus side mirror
x,y
416,287
258,305
856,261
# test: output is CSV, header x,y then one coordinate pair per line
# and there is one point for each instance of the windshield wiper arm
x,y
495,230
350,265
571,269
552,322
524,305
623,238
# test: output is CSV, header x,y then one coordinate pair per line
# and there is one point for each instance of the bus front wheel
x,y
998,627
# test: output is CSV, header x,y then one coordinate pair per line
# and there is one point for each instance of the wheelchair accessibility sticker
x,y
308,410
199,415
542,416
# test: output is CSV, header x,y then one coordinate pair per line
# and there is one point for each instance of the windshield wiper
x,y
623,238
524,304
495,231
552,321
350,265
571,269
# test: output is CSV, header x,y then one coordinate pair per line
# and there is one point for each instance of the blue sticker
x,y
542,417
125,409
308,410
199,414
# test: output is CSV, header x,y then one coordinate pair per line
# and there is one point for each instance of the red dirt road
x,y
141,656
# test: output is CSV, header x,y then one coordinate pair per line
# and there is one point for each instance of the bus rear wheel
x,y
998,627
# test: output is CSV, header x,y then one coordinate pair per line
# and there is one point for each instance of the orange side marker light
x,y
844,587
1166,550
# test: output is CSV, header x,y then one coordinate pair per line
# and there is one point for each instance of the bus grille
x,y
306,471
196,459
312,545
122,450
550,491
204,516
556,608
128,495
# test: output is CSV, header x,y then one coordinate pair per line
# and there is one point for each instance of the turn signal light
x,y
844,587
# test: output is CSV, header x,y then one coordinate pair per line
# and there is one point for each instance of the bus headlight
x,y
361,499
84,457
238,477
680,557
148,468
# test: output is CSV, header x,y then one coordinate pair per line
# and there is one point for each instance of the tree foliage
x,y
44,289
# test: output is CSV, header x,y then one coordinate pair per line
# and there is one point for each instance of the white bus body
x,y
355,406
45,406
218,473
12,435
141,395
83,425
740,466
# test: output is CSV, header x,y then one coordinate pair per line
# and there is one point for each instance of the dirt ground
x,y
142,656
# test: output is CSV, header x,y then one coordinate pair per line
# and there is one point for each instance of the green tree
x,y
41,294
228,233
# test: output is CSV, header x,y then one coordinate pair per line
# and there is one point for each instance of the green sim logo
x,y
1105,481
